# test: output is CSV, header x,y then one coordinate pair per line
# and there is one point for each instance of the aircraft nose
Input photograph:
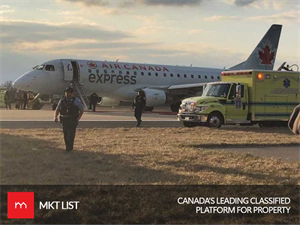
x,y
22,83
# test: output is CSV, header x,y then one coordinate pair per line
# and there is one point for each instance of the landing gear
x,y
215,120
175,106
148,109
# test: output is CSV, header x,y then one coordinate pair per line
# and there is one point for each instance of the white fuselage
x,y
111,79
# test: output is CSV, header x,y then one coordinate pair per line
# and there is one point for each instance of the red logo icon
x,y
92,65
266,55
20,205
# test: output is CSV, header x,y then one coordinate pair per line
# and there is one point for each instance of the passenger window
x,y
199,76
120,72
49,68
127,73
165,74
171,74
134,73
212,77
192,76
218,77
205,77
149,74
184,75
178,75
142,73
156,74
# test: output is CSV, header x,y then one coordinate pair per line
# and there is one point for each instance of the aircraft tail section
x,y
264,55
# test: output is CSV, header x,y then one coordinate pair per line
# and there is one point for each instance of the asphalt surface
x,y
87,124
123,117
104,118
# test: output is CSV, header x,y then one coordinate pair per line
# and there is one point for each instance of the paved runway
x,y
105,117
123,117
87,124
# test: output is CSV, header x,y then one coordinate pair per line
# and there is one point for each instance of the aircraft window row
x,y
135,73
49,68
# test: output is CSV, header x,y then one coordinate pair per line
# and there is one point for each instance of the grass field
x,y
145,156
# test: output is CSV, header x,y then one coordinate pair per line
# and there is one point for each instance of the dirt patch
x,y
144,156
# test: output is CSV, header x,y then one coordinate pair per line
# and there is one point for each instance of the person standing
x,y
94,101
25,100
70,110
7,100
138,105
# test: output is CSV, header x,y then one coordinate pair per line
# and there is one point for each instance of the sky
x,y
205,33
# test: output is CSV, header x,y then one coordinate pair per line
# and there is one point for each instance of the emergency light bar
x,y
260,76
236,73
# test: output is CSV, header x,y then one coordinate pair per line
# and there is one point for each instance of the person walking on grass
x,y
70,110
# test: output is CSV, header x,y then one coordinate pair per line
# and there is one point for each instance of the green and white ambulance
x,y
244,97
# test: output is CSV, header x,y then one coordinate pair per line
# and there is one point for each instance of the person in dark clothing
x,y
7,100
138,105
94,101
70,110
25,100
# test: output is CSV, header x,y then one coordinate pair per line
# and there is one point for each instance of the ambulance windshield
x,y
216,90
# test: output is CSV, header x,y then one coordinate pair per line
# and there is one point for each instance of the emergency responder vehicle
x,y
244,97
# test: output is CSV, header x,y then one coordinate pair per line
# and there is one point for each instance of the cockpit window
x,y
49,68
38,67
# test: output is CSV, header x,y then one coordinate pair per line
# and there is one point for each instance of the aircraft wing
x,y
180,90
176,87
186,86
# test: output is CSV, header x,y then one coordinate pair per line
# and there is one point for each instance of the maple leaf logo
x,y
92,65
266,55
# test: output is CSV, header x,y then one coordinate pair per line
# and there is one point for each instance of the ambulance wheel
x,y
189,124
215,120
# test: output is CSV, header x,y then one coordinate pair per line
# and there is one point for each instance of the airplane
x,y
120,81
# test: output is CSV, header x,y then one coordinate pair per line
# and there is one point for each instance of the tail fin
x,y
263,56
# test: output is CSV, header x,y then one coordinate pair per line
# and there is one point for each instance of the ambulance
x,y
245,97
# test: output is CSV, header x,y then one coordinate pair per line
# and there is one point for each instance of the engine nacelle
x,y
109,102
154,97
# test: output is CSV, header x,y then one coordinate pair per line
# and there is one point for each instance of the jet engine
x,y
154,97
109,102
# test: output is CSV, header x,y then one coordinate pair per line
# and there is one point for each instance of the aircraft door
x,y
68,70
